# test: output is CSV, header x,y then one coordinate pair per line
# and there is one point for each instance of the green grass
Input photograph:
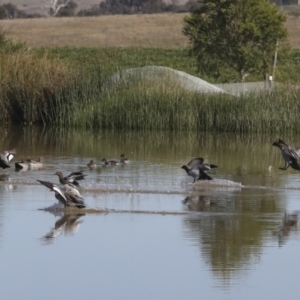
x,y
111,60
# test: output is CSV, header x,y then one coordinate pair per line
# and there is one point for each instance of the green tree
x,y
241,34
2,12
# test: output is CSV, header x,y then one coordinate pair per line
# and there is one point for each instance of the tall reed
x,y
36,88
146,107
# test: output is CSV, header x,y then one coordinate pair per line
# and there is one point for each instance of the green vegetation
x,y
241,34
73,87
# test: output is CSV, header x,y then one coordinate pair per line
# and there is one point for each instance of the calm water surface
x,y
236,237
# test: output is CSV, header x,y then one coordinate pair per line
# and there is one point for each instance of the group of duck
x,y
196,168
69,195
104,162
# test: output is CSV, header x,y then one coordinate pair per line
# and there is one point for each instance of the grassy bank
x,y
49,88
72,87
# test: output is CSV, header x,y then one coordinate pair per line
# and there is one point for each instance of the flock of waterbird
x,y
196,167
69,195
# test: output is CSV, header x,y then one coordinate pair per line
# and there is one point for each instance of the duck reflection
x,y
197,202
7,183
4,177
68,224
289,226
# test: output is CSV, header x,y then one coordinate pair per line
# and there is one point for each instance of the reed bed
x,y
145,106
39,88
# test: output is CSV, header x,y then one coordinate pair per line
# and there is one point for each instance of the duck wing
x,y
195,161
206,167
5,157
59,194
294,164
282,142
9,154
295,152
204,176
75,176
212,166
291,151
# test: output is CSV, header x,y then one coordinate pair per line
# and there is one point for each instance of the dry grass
x,y
159,30
156,30
293,26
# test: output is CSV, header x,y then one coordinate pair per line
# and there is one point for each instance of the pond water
x,y
162,236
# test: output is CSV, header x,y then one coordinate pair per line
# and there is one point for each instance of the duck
x,y
196,168
123,159
21,165
69,196
36,164
91,164
290,155
112,162
6,157
73,177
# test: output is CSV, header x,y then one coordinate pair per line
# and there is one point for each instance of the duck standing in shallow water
x,y
123,159
73,178
91,165
69,196
196,168
36,164
290,155
6,157
112,162
21,165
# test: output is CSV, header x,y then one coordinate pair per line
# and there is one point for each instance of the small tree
x,y
54,6
238,33
68,10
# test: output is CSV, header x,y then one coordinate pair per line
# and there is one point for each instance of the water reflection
x,y
288,227
231,232
4,177
197,202
67,223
